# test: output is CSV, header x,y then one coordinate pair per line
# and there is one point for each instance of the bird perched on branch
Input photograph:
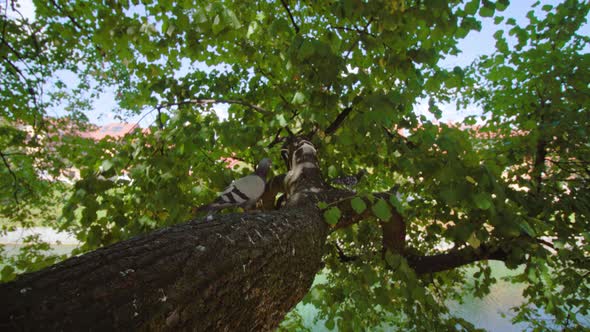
x,y
243,192
351,180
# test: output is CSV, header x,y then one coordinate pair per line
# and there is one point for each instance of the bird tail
x,y
209,208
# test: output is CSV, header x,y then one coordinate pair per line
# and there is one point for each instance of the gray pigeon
x,y
243,192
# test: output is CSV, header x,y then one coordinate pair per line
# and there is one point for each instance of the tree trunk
x,y
238,272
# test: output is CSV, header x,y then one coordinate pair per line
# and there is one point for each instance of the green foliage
x,y
381,210
332,215
516,180
358,205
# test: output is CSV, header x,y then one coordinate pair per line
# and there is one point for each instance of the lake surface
x,y
485,313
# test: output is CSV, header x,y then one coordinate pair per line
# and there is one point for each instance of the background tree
x,y
349,74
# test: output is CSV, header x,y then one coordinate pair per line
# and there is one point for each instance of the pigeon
x,y
351,180
243,192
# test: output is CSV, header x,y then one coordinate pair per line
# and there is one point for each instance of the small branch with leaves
x,y
295,26
338,121
14,178
217,101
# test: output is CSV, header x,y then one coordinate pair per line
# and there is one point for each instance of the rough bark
x,y
238,272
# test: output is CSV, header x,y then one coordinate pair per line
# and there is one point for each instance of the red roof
x,y
114,130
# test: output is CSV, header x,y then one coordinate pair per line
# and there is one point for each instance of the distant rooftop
x,y
114,130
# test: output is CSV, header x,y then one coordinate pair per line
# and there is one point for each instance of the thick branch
x,y
455,258
238,272
338,121
394,233
217,101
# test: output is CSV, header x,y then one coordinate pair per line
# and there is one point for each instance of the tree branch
x,y
394,233
14,178
343,257
178,278
70,17
290,16
360,33
338,121
397,136
455,258
218,101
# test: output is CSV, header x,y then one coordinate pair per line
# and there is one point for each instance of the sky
x,y
472,46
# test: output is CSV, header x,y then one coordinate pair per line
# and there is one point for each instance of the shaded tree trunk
x,y
238,272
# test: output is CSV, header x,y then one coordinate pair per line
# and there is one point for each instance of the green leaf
x,y
526,227
217,24
252,29
298,98
282,120
471,7
501,5
330,324
332,215
306,50
499,34
474,241
233,19
164,118
381,210
358,205
396,204
8,273
322,205
486,11
482,201
106,165
393,260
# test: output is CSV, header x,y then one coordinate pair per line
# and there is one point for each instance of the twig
x,y
5,19
277,139
546,243
159,120
355,29
15,180
360,32
393,136
60,8
290,16
289,132
343,257
216,101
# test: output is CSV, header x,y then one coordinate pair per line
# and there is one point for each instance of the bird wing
x,y
243,191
